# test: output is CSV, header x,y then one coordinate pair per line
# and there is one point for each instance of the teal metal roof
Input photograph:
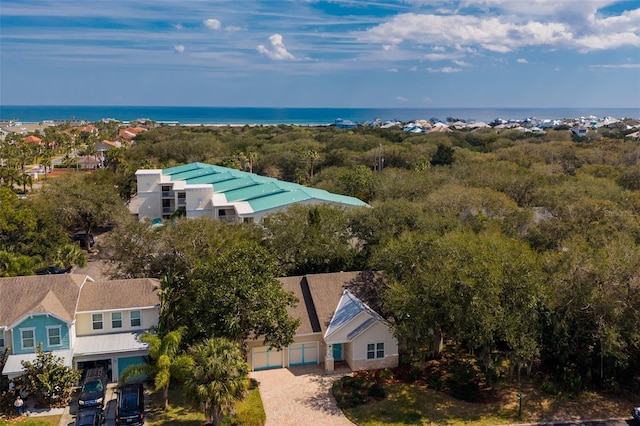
x,y
262,193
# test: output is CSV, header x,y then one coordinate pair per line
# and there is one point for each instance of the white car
x,y
636,414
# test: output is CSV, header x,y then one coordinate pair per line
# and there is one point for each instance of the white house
x,y
335,327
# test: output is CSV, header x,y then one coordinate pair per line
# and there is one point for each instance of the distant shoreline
x,y
254,116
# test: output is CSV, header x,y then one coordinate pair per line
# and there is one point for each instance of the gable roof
x,y
119,294
260,192
322,296
55,294
349,308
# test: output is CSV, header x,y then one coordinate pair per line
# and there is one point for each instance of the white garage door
x,y
303,353
262,358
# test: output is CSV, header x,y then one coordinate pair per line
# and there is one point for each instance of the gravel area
x,y
299,396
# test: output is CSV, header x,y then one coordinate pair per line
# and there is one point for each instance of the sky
x,y
306,53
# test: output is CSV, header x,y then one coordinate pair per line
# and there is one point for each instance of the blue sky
x,y
304,53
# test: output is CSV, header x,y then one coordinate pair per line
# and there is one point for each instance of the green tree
x,y
49,379
249,301
83,201
478,289
443,156
311,239
167,362
218,379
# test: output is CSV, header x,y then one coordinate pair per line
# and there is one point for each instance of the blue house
x,y
83,322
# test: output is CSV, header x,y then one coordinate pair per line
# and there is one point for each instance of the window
x,y
1,339
28,338
96,320
54,334
375,350
136,319
116,319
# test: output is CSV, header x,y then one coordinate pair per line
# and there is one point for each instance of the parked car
x,y
81,238
636,414
51,270
130,404
90,417
93,389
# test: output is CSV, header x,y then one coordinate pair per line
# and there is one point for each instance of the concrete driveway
x,y
299,396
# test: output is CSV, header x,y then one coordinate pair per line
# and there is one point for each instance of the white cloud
x,y
179,48
402,99
461,63
393,70
278,51
446,70
522,61
178,26
212,24
505,33
441,56
627,66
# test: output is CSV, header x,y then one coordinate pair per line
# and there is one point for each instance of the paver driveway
x,y
299,396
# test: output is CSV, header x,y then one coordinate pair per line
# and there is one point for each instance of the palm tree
x,y
167,362
218,377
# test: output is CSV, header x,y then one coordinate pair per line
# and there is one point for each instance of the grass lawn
x,y
249,412
32,421
413,404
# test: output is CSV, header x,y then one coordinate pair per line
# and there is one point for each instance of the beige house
x,y
336,326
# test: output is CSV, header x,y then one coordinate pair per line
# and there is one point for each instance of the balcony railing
x,y
166,210
182,202
167,194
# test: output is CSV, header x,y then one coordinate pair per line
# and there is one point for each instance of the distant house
x,y
86,323
32,139
344,124
336,326
579,131
129,133
221,193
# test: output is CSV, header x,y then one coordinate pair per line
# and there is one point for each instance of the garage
x,y
125,362
263,358
303,354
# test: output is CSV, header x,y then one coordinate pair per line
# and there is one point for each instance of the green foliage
x,y
218,377
167,362
443,156
311,239
462,380
48,379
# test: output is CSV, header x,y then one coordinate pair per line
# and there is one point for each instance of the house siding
x,y
39,324
377,333
84,325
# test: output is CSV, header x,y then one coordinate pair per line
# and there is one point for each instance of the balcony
x,y
167,194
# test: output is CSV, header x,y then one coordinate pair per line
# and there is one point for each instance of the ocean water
x,y
300,116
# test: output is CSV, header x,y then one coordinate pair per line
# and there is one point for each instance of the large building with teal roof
x,y
205,190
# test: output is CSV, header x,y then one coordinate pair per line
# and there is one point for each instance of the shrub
x,y
463,381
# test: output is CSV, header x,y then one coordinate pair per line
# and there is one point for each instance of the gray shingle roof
x,y
119,294
57,294
319,295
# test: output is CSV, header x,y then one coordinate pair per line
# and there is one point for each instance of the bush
x,y
463,381
353,391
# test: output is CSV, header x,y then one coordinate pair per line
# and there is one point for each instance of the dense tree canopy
x,y
513,246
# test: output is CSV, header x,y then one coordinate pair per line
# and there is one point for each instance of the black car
x,y
51,270
81,238
93,389
90,417
130,405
